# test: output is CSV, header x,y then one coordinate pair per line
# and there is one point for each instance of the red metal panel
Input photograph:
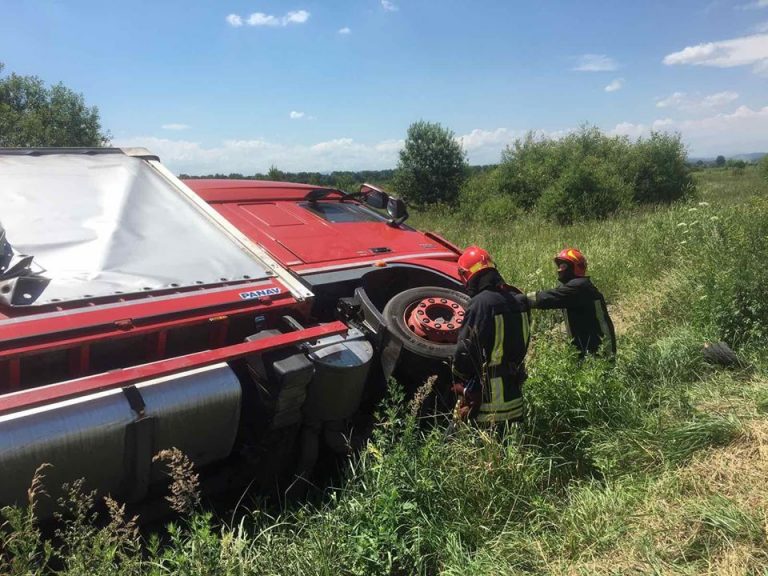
x,y
25,399
138,311
158,324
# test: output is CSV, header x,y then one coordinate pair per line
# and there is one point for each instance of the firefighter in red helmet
x,y
586,315
492,343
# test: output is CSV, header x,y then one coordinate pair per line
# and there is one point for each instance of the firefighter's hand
x,y
458,389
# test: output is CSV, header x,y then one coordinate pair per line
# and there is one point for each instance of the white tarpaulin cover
x,y
108,223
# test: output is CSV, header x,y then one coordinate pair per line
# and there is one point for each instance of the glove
x,y
471,407
458,389
468,404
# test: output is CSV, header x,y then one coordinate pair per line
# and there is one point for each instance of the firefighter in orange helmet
x,y
492,343
586,315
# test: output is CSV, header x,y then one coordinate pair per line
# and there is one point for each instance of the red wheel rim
x,y
435,319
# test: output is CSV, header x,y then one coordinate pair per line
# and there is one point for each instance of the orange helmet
x,y
574,257
472,260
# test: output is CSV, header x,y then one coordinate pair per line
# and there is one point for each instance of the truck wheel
x,y
426,320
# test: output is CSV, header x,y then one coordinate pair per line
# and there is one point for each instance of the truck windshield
x,y
338,212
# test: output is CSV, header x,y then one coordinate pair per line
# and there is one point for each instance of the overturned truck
x,y
234,320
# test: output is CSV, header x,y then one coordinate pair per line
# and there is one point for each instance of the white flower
x,y
703,203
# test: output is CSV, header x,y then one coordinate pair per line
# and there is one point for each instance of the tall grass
x,y
615,471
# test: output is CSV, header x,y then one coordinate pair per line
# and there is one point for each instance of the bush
x,y
587,174
432,165
482,200
657,170
587,190
527,168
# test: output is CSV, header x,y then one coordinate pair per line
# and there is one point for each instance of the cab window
x,y
340,212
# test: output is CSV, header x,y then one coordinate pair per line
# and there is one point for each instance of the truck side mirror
x,y
374,197
397,211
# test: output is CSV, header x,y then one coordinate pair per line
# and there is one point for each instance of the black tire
x,y
394,313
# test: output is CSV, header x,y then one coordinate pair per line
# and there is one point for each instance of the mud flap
x,y
390,354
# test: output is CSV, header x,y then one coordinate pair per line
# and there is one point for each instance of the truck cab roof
x,y
311,235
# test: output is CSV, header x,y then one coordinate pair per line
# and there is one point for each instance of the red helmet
x,y
574,257
472,260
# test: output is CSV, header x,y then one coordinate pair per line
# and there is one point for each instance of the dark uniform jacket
x,y
490,352
586,315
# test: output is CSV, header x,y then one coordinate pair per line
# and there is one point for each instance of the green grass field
x,y
656,465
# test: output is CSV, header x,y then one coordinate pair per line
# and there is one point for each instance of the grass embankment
x,y
654,465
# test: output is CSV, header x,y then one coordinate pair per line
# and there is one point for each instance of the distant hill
x,y
750,157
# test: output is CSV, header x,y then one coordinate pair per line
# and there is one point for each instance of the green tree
x,y
275,174
432,165
720,161
32,114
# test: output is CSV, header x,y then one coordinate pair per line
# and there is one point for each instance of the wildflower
x,y
371,449
703,203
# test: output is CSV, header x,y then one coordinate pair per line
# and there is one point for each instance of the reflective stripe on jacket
x,y
491,351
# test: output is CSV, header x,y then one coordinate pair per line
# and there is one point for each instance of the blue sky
x,y
236,86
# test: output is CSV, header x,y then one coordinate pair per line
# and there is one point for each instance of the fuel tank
x,y
109,438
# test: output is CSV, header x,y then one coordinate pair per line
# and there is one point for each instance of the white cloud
x,y
761,68
595,63
296,17
761,27
745,51
479,139
257,155
617,84
629,129
345,30
262,19
174,126
754,5
740,131
295,115
389,6
697,102
234,20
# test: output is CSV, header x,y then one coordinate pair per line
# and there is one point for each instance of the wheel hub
x,y
435,319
